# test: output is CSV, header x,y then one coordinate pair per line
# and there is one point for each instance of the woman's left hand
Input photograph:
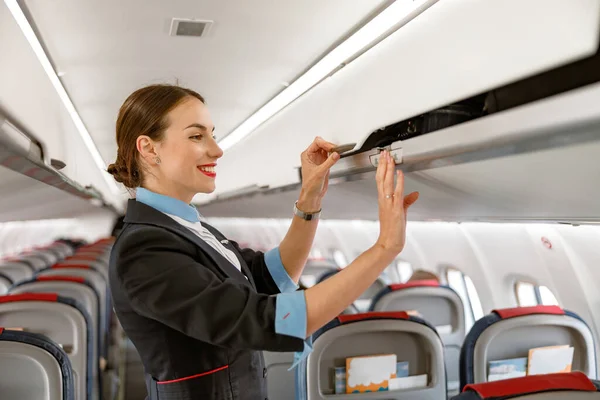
x,y
316,162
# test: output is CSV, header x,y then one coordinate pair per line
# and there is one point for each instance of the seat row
x,y
56,319
502,334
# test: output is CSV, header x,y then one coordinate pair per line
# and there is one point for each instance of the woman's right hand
x,y
393,206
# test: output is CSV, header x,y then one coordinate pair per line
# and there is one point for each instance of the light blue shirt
x,y
290,304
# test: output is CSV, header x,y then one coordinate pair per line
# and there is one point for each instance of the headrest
x,y
421,283
521,311
348,318
29,297
532,384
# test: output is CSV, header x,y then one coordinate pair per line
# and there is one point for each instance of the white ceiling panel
x,y
107,49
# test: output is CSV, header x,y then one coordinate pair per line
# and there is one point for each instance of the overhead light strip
x,y
373,30
42,57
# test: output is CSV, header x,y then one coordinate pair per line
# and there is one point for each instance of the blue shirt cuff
x,y
283,281
290,314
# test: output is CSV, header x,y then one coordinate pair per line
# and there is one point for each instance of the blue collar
x,y
167,205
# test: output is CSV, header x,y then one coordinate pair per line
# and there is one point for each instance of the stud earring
x,y
157,160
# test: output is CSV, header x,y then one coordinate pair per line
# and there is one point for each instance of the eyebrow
x,y
200,126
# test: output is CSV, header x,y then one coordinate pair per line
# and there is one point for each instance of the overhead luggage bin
x,y
26,358
457,169
24,163
453,51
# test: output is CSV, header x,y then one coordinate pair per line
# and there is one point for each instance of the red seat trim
x,y
9,298
59,266
193,376
520,311
533,384
61,278
372,315
82,257
422,283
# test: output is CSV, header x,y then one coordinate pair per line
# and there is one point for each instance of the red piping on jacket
x,y
193,376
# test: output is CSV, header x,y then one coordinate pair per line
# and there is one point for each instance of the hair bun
x,y
120,173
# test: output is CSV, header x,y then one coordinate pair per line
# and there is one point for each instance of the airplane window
x,y
526,296
547,297
474,298
529,295
340,258
404,270
463,285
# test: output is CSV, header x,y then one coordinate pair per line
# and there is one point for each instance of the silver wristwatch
x,y
306,216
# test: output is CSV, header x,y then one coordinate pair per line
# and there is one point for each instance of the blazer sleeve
x,y
267,270
165,284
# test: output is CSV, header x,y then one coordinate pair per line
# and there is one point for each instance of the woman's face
x,y
188,152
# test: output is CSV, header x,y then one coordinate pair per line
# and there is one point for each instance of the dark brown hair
x,y
143,113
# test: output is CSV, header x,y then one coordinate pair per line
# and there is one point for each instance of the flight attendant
x,y
198,308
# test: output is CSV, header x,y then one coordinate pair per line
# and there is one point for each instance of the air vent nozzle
x,y
189,27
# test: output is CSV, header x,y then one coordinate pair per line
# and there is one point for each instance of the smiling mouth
x,y
208,171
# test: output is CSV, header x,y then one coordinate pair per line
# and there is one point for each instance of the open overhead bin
x,y
535,162
32,187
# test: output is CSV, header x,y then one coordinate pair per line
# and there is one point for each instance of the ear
x,y
146,147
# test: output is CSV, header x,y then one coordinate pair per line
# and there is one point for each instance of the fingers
x,y
388,179
381,169
330,162
410,199
399,192
320,144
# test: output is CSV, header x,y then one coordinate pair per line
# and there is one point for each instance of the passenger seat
x,y
511,332
440,306
411,339
27,358
62,320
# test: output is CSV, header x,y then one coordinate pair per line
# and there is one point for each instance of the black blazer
x,y
196,321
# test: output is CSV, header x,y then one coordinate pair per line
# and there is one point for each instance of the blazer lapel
x,y
140,213
225,242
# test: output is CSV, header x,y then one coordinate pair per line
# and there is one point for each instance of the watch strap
x,y
304,215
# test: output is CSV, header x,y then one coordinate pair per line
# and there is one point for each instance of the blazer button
x,y
264,372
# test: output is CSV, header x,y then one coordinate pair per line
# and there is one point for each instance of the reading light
x,y
374,29
37,48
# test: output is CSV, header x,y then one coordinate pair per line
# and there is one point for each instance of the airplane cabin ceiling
x,y
107,49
